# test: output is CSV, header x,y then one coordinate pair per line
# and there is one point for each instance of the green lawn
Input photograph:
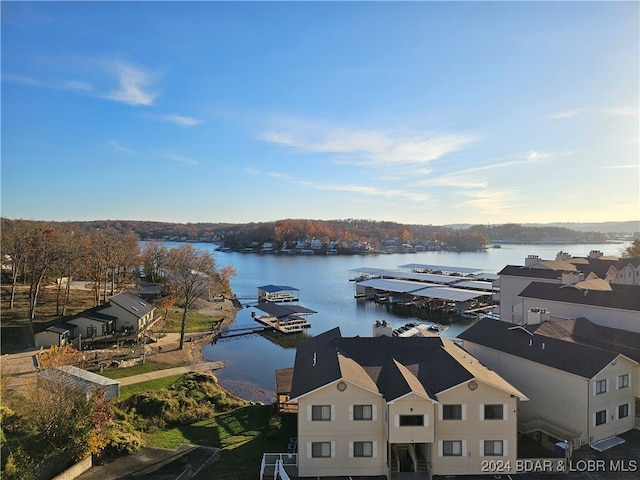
x,y
196,322
242,436
152,385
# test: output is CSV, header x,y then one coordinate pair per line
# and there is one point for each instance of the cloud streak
x,y
370,147
180,159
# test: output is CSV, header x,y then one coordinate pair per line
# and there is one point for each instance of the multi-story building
x,y
373,406
582,379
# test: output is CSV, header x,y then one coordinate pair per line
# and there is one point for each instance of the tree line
x,y
35,254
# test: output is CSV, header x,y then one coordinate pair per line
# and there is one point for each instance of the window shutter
x,y
464,411
396,420
308,449
333,413
439,448
505,411
440,409
374,412
309,407
350,449
375,449
481,411
333,449
505,450
350,412
426,420
464,448
481,450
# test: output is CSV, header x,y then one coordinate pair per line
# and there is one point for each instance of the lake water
x,y
324,286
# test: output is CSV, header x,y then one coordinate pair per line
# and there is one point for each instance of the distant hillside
x,y
632,226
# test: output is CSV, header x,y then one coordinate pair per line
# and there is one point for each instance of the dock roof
x,y
277,288
280,311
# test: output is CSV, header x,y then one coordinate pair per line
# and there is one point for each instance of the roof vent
x,y
542,345
314,359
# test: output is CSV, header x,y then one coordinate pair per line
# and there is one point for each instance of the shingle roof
x,y
622,297
585,332
524,342
131,303
518,271
392,366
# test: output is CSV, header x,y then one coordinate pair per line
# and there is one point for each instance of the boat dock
x,y
284,319
451,290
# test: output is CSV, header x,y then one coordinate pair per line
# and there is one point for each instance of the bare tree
x,y
14,237
154,259
190,273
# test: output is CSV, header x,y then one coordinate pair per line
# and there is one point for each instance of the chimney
x,y
594,254
563,255
571,278
531,260
382,328
538,315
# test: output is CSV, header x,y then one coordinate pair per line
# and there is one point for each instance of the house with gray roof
x,y
373,407
582,379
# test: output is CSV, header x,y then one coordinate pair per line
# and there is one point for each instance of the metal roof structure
x,y
450,293
397,274
277,288
422,289
442,268
280,311
83,380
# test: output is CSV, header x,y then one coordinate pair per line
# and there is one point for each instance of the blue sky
x,y
417,112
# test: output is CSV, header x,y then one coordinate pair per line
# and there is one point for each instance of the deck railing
x,y
277,461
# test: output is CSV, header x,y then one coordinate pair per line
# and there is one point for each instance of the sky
x,y
415,112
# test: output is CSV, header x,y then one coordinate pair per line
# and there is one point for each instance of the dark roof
x,y
623,297
584,331
131,303
524,342
283,380
519,271
396,365
277,288
280,311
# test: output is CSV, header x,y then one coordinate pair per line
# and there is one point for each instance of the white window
x,y
623,410
363,412
623,381
452,448
601,417
494,412
493,448
363,449
452,412
321,412
601,386
321,449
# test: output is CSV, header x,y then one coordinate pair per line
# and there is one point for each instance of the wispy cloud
x,y
621,111
120,148
133,83
369,190
22,79
180,120
631,166
78,85
493,202
370,147
181,159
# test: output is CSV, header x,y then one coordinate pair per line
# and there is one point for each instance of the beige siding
x,y
341,432
473,430
411,405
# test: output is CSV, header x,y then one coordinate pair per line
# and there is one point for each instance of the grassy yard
x,y
243,435
150,386
197,322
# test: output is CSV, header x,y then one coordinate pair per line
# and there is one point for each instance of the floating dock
x,y
278,293
284,319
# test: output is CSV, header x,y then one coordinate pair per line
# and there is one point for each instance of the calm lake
x,y
324,286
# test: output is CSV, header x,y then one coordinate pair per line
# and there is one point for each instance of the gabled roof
x,y
131,303
585,332
622,297
528,272
277,288
391,366
582,360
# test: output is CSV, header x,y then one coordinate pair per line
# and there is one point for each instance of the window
x,y
601,417
92,331
363,449
452,448
623,410
493,412
362,412
321,449
452,412
601,386
321,412
493,447
411,420
623,381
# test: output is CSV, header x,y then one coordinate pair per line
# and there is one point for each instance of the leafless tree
x,y
190,273
14,237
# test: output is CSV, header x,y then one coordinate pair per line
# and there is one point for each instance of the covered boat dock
x,y
285,319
